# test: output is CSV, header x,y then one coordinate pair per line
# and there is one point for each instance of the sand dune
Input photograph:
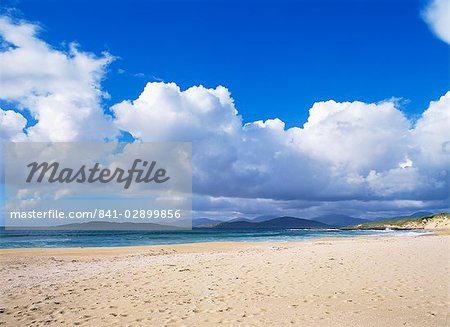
x,y
367,281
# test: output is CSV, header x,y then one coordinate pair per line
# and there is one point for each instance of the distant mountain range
x,y
275,223
414,215
205,222
330,221
261,222
419,214
340,220
263,218
208,222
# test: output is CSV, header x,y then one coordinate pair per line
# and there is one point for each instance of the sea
x,y
81,239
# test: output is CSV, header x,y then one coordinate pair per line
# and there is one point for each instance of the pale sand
x,y
367,281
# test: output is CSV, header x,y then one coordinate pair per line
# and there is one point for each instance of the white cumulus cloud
x,y
11,126
349,150
61,89
437,15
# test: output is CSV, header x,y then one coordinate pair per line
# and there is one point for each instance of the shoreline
x,y
182,246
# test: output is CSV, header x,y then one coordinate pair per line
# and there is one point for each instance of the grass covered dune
x,y
439,221
363,281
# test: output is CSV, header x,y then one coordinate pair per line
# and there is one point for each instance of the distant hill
x,y
420,214
340,220
239,219
276,223
263,218
435,221
205,222
414,215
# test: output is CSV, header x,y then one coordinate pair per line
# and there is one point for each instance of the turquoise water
x,y
53,239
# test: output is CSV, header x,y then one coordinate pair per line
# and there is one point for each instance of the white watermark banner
x,y
98,186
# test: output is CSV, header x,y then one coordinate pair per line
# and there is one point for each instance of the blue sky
x,y
276,57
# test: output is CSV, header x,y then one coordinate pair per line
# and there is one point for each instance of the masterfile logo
x,y
98,185
54,174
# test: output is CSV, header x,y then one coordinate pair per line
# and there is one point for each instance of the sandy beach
x,y
364,281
